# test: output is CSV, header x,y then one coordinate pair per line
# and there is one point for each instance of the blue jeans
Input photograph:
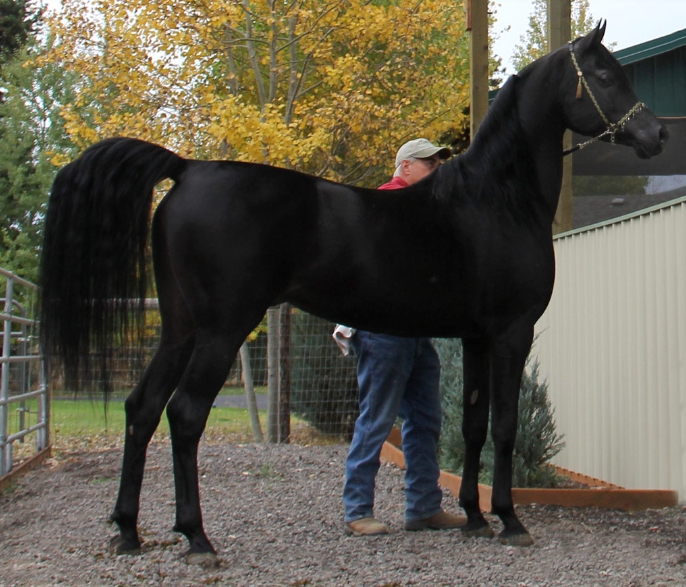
x,y
397,376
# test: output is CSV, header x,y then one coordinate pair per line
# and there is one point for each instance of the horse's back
x,y
269,210
247,234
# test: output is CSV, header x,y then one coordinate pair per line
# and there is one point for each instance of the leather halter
x,y
612,127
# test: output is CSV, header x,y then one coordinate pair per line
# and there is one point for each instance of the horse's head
x,y
600,102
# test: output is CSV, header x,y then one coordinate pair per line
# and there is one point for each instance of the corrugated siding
x,y
612,345
660,82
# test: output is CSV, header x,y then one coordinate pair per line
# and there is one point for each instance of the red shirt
x,y
396,183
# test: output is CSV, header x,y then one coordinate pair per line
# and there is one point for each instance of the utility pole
x,y
559,34
477,25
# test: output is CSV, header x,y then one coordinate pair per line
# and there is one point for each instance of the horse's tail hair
x,y
93,271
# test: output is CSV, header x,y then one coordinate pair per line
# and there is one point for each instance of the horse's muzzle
x,y
649,140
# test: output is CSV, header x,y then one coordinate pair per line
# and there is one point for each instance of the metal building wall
x,y
612,346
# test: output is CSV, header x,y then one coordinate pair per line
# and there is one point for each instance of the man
x,y
397,376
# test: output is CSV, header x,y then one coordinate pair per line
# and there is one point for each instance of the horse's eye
x,y
605,78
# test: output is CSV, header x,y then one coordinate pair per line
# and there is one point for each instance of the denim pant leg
x,y
383,367
421,413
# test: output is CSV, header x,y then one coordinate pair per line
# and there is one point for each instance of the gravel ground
x,y
274,514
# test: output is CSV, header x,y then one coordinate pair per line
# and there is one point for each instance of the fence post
x,y
22,378
43,436
6,449
285,373
250,393
273,374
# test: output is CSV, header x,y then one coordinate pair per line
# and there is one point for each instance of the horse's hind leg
x,y
508,358
146,403
474,431
144,407
187,412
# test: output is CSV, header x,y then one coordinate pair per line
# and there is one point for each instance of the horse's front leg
x,y
508,359
474,430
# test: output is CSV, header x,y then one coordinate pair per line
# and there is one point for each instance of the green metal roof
x,y
657,71
651,48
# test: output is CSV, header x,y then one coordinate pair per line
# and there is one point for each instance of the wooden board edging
x,y
25,467
600,494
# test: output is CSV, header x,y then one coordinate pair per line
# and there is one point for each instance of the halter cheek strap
x,y
612,127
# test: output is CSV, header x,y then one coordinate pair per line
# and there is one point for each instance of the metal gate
x,y
24,406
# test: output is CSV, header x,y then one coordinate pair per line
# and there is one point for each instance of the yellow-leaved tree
x,y
329,87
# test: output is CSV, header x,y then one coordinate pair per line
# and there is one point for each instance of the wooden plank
x,y
600,494
28,465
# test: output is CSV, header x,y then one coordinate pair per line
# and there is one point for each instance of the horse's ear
x,y
599,32
594,38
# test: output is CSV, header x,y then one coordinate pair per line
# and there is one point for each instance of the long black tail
x,y
93,274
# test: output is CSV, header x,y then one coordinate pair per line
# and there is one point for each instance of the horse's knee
x,y
503,450
503,435
475,436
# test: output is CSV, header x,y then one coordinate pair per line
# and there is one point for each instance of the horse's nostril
x,y
664,135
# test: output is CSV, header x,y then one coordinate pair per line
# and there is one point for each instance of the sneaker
x,y
440,521
365,527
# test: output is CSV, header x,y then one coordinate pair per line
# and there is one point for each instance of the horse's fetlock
x,y
478,529
503,512
189,530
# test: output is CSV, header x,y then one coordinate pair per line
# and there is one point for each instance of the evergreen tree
x,y
537,441
17,23
31,133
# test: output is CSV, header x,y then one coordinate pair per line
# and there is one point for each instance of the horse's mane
x,y
496,168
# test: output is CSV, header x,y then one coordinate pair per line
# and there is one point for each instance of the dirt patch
x,y
274,513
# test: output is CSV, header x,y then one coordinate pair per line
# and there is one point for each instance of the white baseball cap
x,y
420,149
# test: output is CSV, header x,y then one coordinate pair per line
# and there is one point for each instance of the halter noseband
x,y
612,127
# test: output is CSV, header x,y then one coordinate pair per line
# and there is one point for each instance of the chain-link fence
x,y
289,380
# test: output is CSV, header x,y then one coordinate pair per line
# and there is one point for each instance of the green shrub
x,y
537,441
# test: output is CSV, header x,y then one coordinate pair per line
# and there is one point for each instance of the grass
x,y
229,390
84,421
84,425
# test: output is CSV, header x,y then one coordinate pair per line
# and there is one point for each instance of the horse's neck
x,y
521,138
540,116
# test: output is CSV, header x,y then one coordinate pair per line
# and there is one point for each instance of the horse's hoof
x,y
480,532
523,539
203,559
119,546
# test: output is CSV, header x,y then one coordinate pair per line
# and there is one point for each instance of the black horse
x,y
467,253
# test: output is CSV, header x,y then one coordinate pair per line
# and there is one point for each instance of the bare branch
x,y
252,54
232,78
